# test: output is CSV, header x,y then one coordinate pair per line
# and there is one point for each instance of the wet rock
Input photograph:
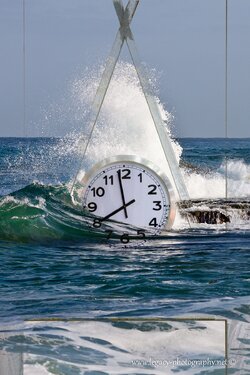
x,y
215,211
209,217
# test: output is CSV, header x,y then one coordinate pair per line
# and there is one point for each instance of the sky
x,y
183,40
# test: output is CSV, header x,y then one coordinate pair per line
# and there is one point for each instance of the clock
x,y
129,190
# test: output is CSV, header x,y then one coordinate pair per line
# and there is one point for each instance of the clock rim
x,y
134,159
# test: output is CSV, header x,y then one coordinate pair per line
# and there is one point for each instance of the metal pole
x,y
24,70
127,34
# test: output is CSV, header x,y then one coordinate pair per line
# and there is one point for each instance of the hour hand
x,y
117,210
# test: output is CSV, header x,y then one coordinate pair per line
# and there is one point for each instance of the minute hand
x,y
122,193
118,210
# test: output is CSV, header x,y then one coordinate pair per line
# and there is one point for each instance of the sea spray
x,y
212,184
125,125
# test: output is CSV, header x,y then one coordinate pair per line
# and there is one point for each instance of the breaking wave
x,y
44,210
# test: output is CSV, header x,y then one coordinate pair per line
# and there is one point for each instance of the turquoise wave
x,y
41,213
46,213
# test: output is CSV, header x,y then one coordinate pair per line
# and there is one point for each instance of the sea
x,y
73,303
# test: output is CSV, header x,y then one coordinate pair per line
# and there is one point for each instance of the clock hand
x,y
122,193
118,210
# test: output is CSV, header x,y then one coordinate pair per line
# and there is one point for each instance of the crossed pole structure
x,y
124,34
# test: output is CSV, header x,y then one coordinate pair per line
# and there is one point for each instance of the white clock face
x,y
128,192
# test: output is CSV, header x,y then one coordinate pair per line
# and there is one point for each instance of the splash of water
x,y
213,184
125,125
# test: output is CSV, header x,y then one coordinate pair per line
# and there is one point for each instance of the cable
x,y
226,66
24,68
226,100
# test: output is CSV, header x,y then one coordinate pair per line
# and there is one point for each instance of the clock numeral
x,y
141,233
126,174
153,222
125,238
92,206
98,191
109,233
152,190
108,179
140,176
158,206
97,223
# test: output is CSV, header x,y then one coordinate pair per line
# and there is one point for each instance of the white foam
x,y
35,369
127,345
23,201
213,185
205,186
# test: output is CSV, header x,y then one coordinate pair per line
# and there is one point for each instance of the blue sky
x,y
184,40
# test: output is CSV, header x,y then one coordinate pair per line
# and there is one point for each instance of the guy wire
x,y
226,100
24,68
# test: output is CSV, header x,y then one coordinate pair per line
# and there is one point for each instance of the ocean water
x,y
73,303
52,267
